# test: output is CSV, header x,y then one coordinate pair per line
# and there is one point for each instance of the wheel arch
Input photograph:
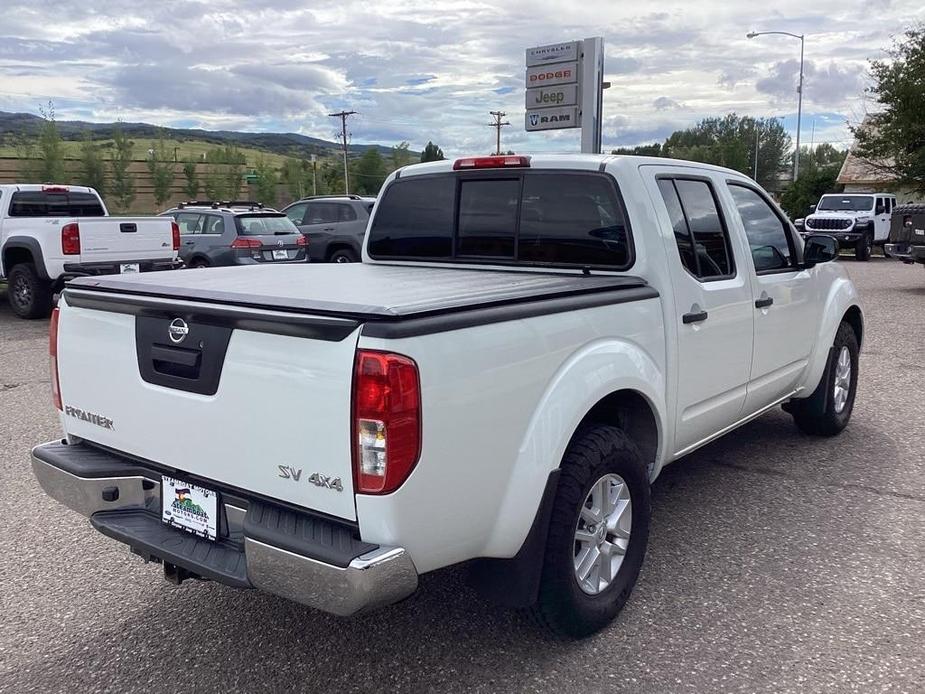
x,y
340,245
24,249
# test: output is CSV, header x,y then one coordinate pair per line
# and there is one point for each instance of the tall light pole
x,y
796,156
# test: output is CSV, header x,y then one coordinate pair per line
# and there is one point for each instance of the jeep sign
x,y
545,97
552,118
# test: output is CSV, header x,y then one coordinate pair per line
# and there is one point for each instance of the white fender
x,y
598,369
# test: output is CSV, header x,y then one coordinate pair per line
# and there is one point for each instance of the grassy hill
x,y
188,141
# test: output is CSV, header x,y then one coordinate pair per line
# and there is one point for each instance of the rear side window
x,y
189,223
264,224
702,240
346,213
213,224
535,218
415,219
39,203
767,237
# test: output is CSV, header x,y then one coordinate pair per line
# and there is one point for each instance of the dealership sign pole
x,y
564,83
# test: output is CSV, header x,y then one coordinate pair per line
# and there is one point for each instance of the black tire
x,y
562,607
863,248
30,296
199,264
818,414
344,255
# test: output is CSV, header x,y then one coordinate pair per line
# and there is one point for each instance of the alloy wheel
x,y
842,380
602,533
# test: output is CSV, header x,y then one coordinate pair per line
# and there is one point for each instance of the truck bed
x,y
360,291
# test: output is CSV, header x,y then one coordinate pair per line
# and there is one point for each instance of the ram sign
x,y
553,118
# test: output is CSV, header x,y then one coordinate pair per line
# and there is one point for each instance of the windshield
x,y
846,203
264,225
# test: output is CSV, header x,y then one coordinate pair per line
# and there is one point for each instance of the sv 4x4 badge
x,y
316,478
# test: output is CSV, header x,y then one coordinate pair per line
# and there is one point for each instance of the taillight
x,y
386,421
302,240
244,242
70,239
53,354
508,161
175,233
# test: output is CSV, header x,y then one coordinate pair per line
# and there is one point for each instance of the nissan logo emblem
x,y
178,330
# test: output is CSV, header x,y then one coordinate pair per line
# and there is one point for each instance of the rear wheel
x,y
199,264
29,295
597,534
827,411
344,255
863,248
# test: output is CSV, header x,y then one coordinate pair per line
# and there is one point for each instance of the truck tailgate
x,y
230,403
125,239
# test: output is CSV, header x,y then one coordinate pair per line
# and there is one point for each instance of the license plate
x,y
128,268
280,255
189,507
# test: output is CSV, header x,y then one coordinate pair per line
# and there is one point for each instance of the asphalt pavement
x,y
777,563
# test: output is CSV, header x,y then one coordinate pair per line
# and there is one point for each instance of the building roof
x,y
855,171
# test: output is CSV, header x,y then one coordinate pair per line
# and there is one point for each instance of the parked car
x,y
907,234
51,233
334,224
857,221
236,232
526,344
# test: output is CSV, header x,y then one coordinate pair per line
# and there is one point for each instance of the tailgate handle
x,y
175,361
128,227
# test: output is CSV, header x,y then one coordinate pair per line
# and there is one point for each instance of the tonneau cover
x,y
357,290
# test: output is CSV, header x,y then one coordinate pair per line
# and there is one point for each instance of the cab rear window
x,y
38,203
524,217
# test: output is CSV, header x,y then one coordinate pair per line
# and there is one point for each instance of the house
x,y
859,177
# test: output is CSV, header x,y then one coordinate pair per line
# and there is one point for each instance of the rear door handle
x,y
694,317
328,229
764,302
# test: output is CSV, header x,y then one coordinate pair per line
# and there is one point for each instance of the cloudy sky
x,y
432,69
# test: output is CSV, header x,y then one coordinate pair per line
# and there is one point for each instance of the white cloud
x,y
419,70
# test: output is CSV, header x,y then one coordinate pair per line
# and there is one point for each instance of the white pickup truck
x,y
527,342
51,233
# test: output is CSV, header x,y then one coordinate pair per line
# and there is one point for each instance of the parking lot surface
x,y
777,562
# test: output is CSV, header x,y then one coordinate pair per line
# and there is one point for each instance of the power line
x,y
344,141
497,126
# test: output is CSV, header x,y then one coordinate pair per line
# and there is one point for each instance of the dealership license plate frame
x,y
129,268
198,517
281,255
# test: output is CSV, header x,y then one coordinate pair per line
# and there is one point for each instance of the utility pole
x,y
314,175
497,126
755,177
343,136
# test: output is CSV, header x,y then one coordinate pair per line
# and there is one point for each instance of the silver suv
x,y
236,232
333,224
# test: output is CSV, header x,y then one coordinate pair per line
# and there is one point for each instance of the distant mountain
x,y
291,144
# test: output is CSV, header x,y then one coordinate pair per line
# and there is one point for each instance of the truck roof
x,y
568,161
32,187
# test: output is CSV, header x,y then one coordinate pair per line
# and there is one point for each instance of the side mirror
x,y
812,208
880,209
819,248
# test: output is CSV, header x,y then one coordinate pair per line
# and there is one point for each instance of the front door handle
x,y
764,302
328,229
698,317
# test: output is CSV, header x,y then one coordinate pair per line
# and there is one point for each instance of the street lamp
x,y
796,156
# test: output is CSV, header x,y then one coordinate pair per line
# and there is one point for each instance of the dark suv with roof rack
x,y
334,225
907,234
236,232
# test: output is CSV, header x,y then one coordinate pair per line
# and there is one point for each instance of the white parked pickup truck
x,y
527,342
51,233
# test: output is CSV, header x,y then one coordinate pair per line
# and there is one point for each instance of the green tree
x,y
400,156
29,168
122,183
432,152
190,179
266,180
812,183
92,170
50,148
892,141
653,150
368,173
294,176
163,170
730,141
224,171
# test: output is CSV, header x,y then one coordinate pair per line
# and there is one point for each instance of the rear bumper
x,y
72,270
906,252
304,558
